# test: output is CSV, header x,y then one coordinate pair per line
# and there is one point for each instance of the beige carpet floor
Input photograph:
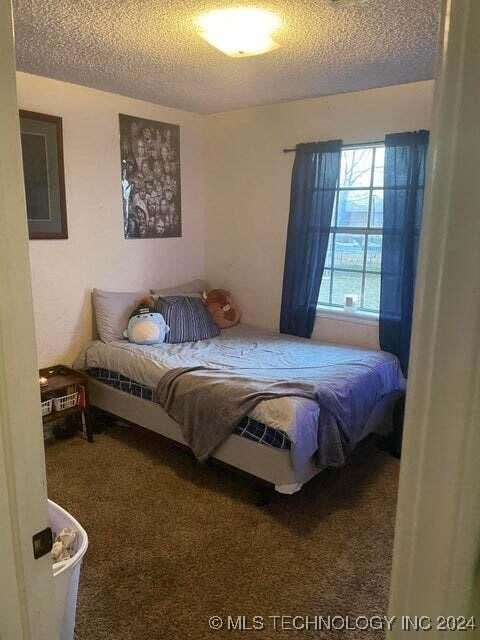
x,y
173,542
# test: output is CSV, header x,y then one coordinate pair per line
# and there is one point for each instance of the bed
x,y
284,440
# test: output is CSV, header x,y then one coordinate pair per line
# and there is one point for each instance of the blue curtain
x,y
404,182
314,179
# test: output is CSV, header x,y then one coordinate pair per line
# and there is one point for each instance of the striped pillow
x,y
187,318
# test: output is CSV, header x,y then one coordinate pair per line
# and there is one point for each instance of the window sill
x,y
353,317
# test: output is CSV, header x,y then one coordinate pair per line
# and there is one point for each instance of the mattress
x,y
247,428
147,364
308,427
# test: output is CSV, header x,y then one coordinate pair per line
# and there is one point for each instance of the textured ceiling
x,y
149,49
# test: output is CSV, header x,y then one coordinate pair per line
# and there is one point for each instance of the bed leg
x,y
393,442
288,489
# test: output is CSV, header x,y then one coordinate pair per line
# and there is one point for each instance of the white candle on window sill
x,y
350,303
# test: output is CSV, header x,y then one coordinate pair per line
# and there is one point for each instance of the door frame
x,y
437,538
27,593
436,551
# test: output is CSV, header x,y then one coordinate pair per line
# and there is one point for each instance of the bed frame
x,y
269,464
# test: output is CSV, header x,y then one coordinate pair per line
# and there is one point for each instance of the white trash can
x,y
66,574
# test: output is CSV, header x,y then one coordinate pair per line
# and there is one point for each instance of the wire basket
x,y
65,402
47,407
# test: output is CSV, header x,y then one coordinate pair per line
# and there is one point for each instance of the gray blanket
x,y
346,383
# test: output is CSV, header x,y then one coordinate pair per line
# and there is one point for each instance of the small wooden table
x,y
60,379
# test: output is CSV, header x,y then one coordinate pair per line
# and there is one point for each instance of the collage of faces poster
x,y
150,156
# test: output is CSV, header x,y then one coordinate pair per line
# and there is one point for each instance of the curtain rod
x,y
353,144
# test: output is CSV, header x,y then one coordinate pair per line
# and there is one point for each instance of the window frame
x,y
364,232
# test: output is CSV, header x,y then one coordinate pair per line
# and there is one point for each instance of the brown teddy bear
x,y
221,307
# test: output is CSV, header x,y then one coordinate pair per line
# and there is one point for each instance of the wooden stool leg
x,y
88,424
87,416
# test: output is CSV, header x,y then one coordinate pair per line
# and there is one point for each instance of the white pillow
x,y
112,311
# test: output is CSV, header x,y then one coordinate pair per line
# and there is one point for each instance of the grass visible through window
x,y
354,255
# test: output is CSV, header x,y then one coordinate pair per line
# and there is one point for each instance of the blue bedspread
x,y
209,399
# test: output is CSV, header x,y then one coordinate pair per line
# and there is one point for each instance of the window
x,y
354,255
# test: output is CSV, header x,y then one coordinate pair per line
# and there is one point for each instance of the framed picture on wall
x,y
150,164
42,150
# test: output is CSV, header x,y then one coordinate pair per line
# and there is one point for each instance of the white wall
x,y
249,188
233,162
96,253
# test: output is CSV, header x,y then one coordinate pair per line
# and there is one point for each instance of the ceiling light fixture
x,y
240,32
